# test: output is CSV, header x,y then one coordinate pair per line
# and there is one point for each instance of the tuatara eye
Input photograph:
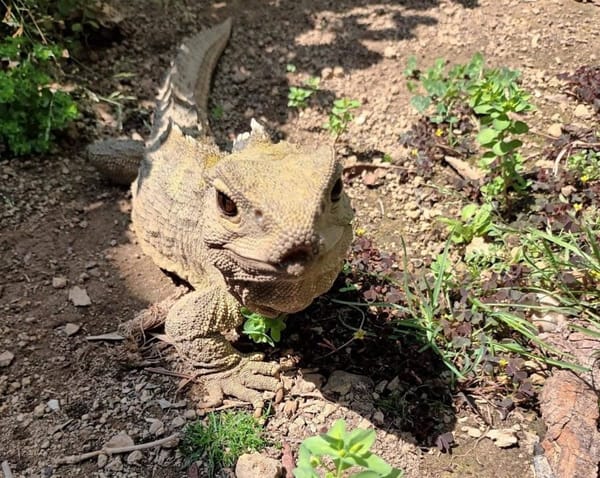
x,y
336,190
226,204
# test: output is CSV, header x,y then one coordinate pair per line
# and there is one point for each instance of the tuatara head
x,y
277,224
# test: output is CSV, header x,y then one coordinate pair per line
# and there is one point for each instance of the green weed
x,y
586,163
341,115
298,96
338,451
221,438
263,329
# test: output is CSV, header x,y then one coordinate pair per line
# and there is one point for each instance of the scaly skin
x,y
266,227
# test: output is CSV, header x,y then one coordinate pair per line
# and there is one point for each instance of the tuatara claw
x,y
245,382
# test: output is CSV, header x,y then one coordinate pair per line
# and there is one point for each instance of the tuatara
x,y
266,226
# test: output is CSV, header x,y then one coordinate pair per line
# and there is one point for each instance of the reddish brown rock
x,y
570,410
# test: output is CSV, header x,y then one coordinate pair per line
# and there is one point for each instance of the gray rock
x,y
120,440
102,460
135,457
555,130
504,438
71,329
39,410
342,382
253,465
6,358
79,297
157,427
115,464
59,282
53,405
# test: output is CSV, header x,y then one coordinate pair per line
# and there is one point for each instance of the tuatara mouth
x,y
287,270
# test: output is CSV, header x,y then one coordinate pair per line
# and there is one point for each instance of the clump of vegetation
x,y
221,438
263,329
32,105
341,115
298,96
492,96
586,163
338,451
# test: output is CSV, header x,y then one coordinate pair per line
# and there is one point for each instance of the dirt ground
x,y
63,394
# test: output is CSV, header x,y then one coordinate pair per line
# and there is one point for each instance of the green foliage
x,y
475,221
444,90
263,329
298,96
31,106
345,450
221,438
341,115
586,163
217,112
495,98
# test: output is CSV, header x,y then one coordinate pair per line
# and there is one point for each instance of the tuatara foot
x,y
246,381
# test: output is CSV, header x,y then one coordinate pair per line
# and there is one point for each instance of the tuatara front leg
x,y
195,324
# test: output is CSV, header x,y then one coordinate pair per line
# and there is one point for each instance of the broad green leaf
x,y
338,430
483,109
420,103
305,472
487,136
519,127
501,123
468,211
360,440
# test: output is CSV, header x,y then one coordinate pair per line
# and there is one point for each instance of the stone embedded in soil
x,y
102,460
119,440
115,464
71,329
555,130
252,465
503,438
53,405
472,431
583,112
157,427
6,358
342,382
39,410
135,457
79,297
59,282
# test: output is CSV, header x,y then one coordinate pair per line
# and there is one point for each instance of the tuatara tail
x,y
182,100
183,97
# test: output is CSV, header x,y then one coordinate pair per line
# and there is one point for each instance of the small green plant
x,y
497,98
217,112
342,451
341,115
221,438
586,163
298,96
443,90
475,221
263,329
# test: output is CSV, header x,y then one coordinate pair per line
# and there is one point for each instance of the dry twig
x,y
72,459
